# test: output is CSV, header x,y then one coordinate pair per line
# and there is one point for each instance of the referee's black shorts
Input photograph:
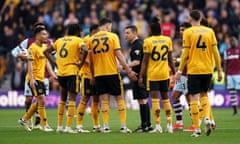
x,y
139,92
199,83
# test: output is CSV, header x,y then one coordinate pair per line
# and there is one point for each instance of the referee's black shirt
x,y
136,53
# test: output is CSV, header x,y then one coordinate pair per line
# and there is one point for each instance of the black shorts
x,y
40,89
199,83
86,88
139,92
111,84
162,85
70,83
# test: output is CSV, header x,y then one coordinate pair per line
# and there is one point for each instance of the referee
x,y
139,93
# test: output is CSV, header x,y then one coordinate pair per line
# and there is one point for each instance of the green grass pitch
x,y
227,132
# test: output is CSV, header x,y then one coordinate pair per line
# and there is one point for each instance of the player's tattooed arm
x,y
83,55
47,53
170,62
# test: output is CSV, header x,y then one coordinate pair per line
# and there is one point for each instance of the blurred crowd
x,y
18,16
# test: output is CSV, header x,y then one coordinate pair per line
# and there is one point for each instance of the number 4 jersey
x,y
102,46
201,42
68,50
158,47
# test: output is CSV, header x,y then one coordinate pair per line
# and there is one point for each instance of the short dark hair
x,y
104,21
38,30
195,14
155,26
94,27
73,29
185,25
133,28
204,22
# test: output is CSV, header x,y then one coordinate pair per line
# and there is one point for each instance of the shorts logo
x,y
40,90
88,91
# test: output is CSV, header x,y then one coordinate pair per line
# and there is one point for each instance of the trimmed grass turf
x,y
227,132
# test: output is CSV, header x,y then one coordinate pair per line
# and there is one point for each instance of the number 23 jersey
x,y
158,48
68,50
201,41
102,46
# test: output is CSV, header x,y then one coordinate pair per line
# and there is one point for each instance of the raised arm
x,y
47,53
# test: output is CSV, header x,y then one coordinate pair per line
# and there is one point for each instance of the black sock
x,y
147,114
27,106
141,114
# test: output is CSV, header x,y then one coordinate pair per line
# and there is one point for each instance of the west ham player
x,y
180,88
200,54
139,93
232,70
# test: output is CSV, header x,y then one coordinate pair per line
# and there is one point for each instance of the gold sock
x,y
204,102
156,111
200,112
61,107
195,113
43,115
80,112
211,113
95,111
30,111
122,111
168,110
71,110
105,112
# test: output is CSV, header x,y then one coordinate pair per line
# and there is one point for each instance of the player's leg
x,y
40,88
62,103
105,108
194,90
191,128
85,96
177,107
28,101
95,113
72,88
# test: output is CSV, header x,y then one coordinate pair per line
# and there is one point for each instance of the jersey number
x,y
156,56
96,43
201,44
63,51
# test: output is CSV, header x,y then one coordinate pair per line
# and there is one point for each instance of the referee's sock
x,y
145,115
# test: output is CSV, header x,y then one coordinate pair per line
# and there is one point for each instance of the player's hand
x,y
140,82
220,76
22,56
132,75
178,76
33,83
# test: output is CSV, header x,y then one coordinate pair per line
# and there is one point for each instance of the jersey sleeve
x,y
146,47
116,43
54,45
186,40
30,53
21,47
170,45
214,40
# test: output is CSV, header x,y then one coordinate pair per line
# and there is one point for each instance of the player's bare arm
x,y
50,70
120,57
134,63
182,64
30,72
143,68
217,59
170,62
83,55
47,53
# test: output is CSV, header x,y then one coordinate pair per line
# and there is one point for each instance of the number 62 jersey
x,y
68,50
158,48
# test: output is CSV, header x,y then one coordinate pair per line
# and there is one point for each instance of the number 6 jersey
x,y
68,50
158,47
